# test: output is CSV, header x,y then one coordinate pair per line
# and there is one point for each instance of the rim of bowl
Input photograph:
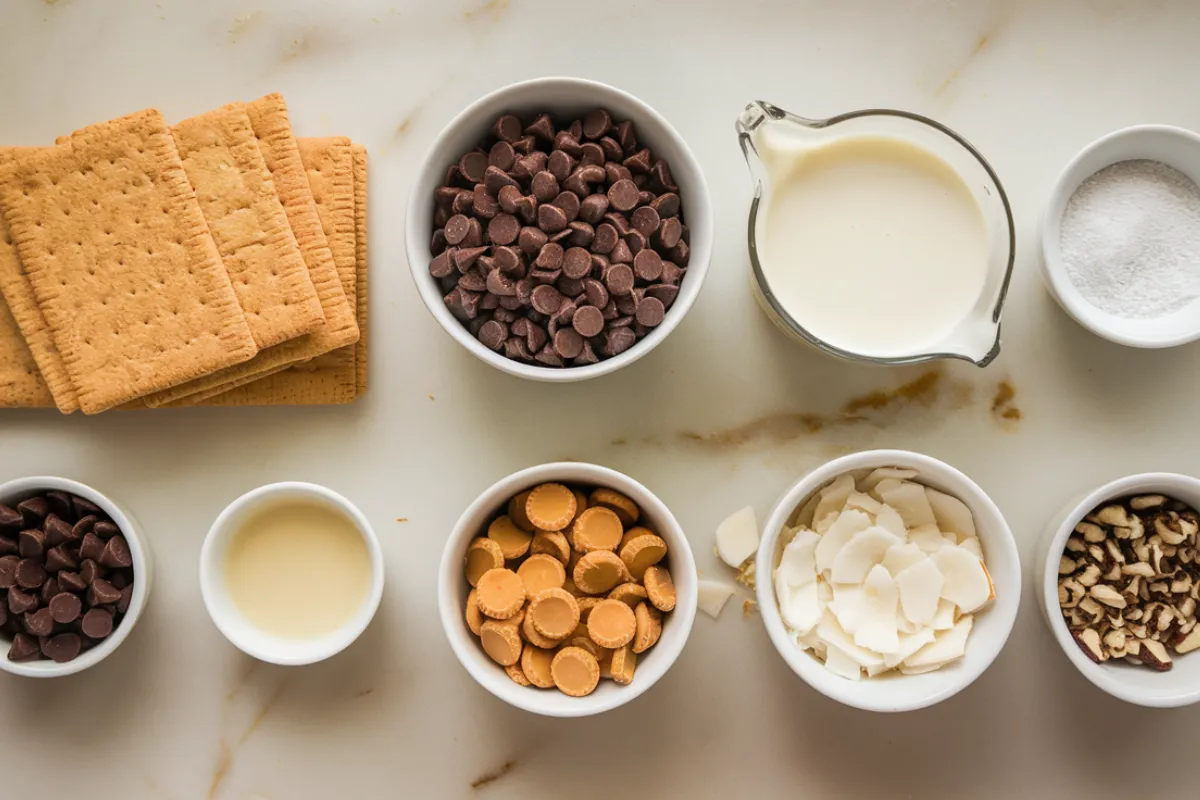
x,y
1091,317
803,664
143,576
419,255
1101,675
261,647
472,657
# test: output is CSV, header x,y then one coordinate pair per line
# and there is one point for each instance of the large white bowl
x,y
651,665
247,636
992,624
14,492
564,97
1175,147
1180,685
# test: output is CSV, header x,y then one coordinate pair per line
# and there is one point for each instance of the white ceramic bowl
x,y
453,590
14,492
1175,147
561,97
251,639
992,624
1180,685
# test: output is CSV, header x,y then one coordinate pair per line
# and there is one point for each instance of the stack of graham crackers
x,y
221,261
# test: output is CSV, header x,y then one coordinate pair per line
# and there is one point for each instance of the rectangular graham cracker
x,y
121,262
21,385
360,259
268,116
23,310
331,378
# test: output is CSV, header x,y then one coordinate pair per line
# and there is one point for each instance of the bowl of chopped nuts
x,y
1120,587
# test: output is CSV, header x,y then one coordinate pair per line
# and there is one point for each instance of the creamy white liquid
x,y
298,570
873,244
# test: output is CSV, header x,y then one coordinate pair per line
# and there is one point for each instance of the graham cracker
x,y
330,378
360,262
21,385
121,262
22,308
280,151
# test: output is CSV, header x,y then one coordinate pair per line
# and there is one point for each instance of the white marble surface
x,y
178,713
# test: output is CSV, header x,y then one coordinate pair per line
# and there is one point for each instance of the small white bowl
x,y
1175,147
14,492
992,625
246,636
564,97
1179,686
651,665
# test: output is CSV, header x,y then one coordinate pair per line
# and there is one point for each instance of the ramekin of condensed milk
x,y
879,235
291,573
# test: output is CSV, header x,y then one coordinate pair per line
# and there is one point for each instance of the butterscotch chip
x,y
516,511
586,643
571,588
611,624
597,528
599,571
517,620
649,627
513,541
551,543
633,533
541,572
550,507
625,508
586,604
475,617
575,671
500,593
500,642
535,663
629,593
581,500
554,613
536,639
606,664
623,662
572,560
515,672
643,552
660,588
482,555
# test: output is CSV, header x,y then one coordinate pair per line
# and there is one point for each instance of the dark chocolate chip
x,y
91,547
65,607
473,281
650,312
508,198
484,205
592,154
619,279
31,573
102,592
85,525
638,162
465,257
581,234
612,149
493,334
618,340
33,511
571,287
60,505
442,264
614,172
596,293
463,202
62,648
39,623
577,263
97,623
627,305
635,240
548,357
569,203
645,220
474,234
618,221
626,136
456,229
59,530
551,218
664,293
20,601
516,348
525,145
564,141
472,166
31,543
507,260
593,208
550,257
126,598
496,179
669,233
568,343
502,285
606,238
89,571
8,544
621,254
23,648
680,253
535,338
531,240
560,165
544,187
8,571
660,177
528,166
10,518
667,205
116,553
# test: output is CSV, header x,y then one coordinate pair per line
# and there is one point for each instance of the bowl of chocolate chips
x,y
74,575
559,229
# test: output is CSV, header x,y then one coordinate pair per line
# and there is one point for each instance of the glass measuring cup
x,y
976,338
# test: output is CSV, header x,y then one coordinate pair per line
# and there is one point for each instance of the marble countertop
x,y
708,421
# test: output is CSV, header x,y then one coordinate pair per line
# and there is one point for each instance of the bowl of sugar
x,y
1120,237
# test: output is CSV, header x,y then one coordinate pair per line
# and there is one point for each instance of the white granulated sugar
x,y
1130,239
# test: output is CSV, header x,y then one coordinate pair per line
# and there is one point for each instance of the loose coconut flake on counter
x,y
736,545
882,573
